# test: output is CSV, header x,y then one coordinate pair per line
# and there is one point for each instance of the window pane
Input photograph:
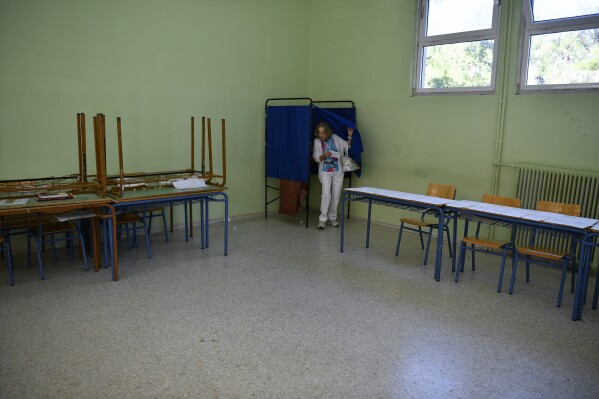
x,y
544,10
452,16
467,64
564,58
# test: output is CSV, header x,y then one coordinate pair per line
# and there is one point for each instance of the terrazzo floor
x,y
286,315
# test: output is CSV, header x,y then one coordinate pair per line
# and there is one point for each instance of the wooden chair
x,y
433,190
133,221
52,229
5,244
155,212
478,244
549,257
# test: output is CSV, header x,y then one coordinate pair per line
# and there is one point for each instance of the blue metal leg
x,y
226,224
202,224
343,199
368,223
28,248
439,254
8,250
207,237
514,268
428,244
147,238
186,221
454,241
461,259
82,243
163,225
562,283
39,258
503,258
399,239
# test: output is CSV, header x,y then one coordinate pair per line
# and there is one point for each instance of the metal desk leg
x,y
368,223
226,224
207,237
191,218
342,221
186,221
579,291
439,246
202,221
454,241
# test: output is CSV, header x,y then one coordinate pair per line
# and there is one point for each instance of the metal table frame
x,y
397,199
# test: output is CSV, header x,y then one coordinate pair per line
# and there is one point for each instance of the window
x,y
560,46
457,46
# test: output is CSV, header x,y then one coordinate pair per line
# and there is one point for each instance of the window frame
x,y
530,28
422,41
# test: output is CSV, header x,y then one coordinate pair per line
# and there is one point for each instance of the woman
x,y
328,149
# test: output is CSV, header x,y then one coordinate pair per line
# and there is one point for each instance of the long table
x,y
170,195
397,199
578,227
23,212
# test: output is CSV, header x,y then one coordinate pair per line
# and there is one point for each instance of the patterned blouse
x,y
329,164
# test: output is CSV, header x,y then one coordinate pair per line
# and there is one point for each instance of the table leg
x,y
368,223
342,221
439,254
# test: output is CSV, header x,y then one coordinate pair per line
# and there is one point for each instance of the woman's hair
x,y
327,129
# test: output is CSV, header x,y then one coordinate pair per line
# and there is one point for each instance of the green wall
x,y
155,63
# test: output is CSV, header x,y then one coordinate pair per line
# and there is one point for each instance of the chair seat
x,y
542,253
419,222
128,218
56,227
485,243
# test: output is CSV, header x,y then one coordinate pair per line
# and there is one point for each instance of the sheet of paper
x,y
15,201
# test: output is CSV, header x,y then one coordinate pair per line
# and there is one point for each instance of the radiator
x,y
539,182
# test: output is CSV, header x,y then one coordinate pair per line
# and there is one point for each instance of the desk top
x,y
163,192
27,205
399,195
524,214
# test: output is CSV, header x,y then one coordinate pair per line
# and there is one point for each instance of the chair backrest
x,y
441,190
558,207
505,201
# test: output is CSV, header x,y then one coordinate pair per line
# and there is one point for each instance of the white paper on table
x,y
189,183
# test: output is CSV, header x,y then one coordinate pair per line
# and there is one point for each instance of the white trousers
x,y
332,182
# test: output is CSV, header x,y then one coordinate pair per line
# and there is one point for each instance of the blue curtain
x,y
288,142
340,119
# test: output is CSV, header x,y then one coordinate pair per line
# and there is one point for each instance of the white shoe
x,y
321,225
334,223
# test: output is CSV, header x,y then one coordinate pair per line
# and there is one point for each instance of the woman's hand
x,y
350,131
325,154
